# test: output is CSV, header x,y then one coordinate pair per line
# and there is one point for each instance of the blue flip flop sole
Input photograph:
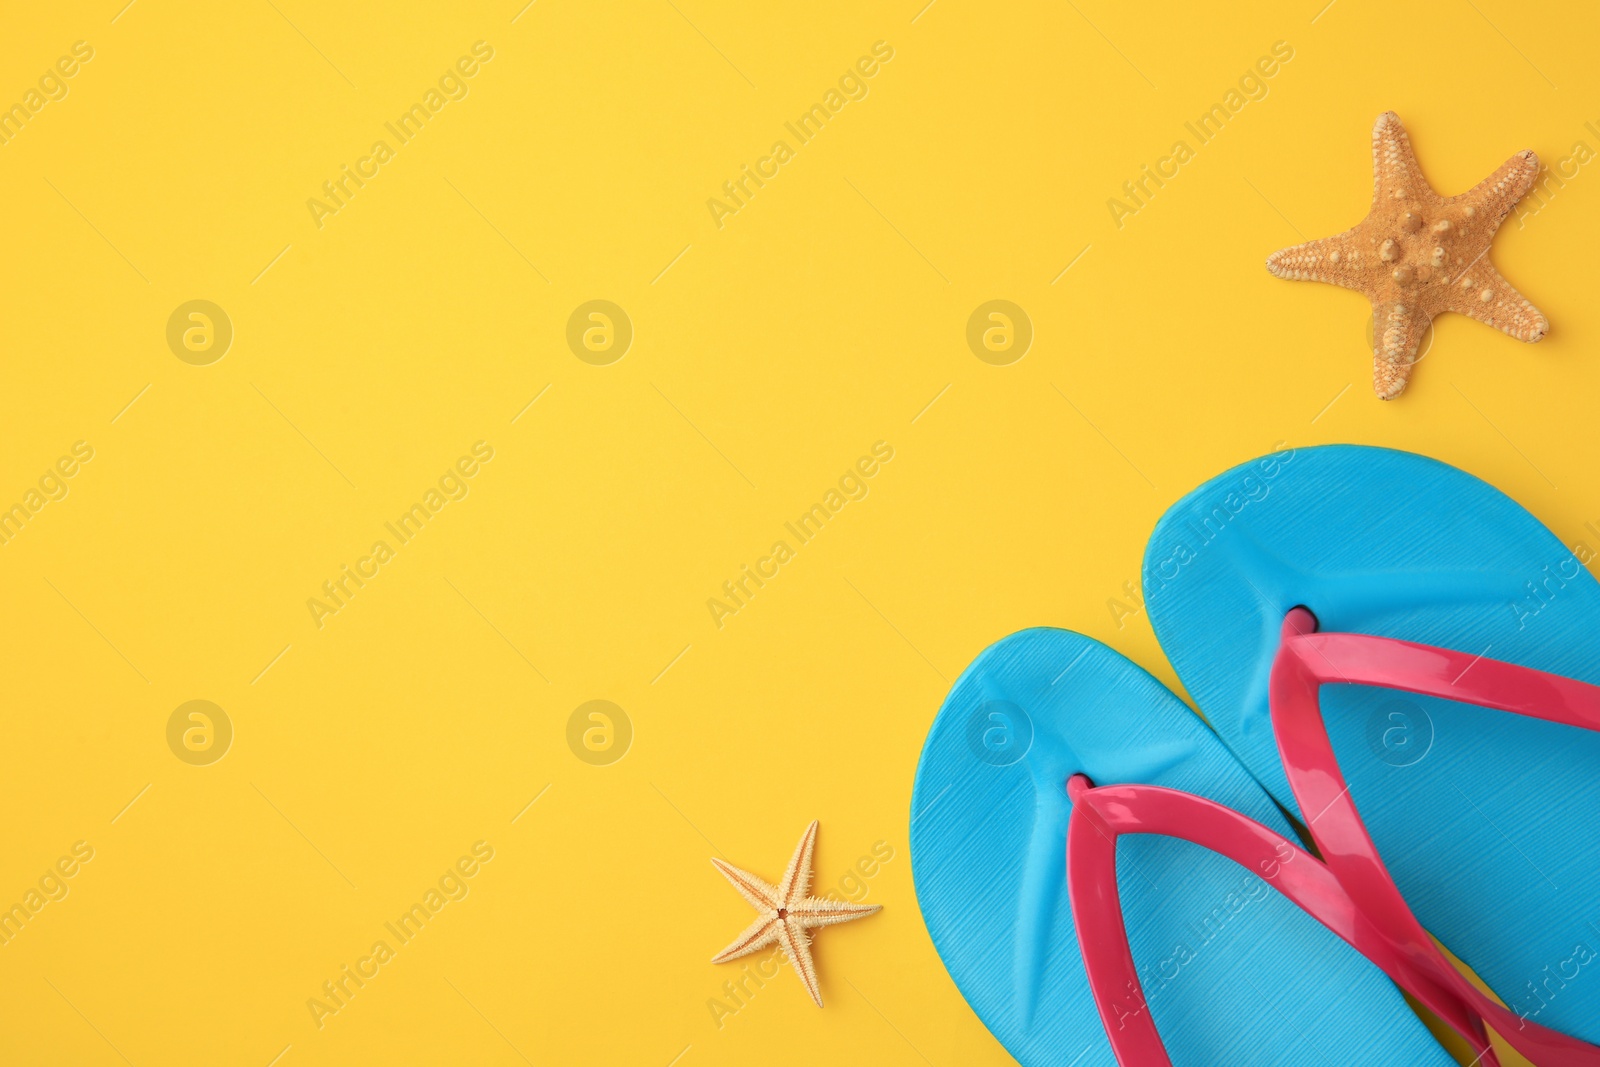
x,y
1486,820
1232,972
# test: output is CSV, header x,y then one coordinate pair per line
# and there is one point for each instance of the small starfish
x,y
1417,254
787,913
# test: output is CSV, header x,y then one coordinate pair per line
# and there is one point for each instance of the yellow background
x,y
768,355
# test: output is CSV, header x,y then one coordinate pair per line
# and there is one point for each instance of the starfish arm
x,y
1396,173
817,911
1397,331
798,948
1506,309
796,881
1331,259
758,935
1492,199
762,896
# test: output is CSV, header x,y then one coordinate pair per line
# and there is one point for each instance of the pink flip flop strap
x,y
1306,661
1101,814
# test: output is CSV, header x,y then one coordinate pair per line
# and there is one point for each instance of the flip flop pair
x,y
1391,651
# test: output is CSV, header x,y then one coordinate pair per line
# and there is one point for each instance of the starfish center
x,y
783,913
1423,249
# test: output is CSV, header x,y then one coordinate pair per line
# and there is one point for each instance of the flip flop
x,y
1191,946
1429,713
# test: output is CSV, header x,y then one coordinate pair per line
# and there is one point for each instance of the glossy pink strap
x,y
1101,814
1306,661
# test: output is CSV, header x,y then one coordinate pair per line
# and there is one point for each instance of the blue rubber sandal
x,y
1486,821
1231,972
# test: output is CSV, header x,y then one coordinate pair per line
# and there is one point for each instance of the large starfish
x,y
1417,254
786,913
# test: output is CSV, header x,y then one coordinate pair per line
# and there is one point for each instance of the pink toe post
x,y
1308,660
1101,814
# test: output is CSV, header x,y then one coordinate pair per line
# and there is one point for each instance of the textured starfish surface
x,y
786,914
1417,254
